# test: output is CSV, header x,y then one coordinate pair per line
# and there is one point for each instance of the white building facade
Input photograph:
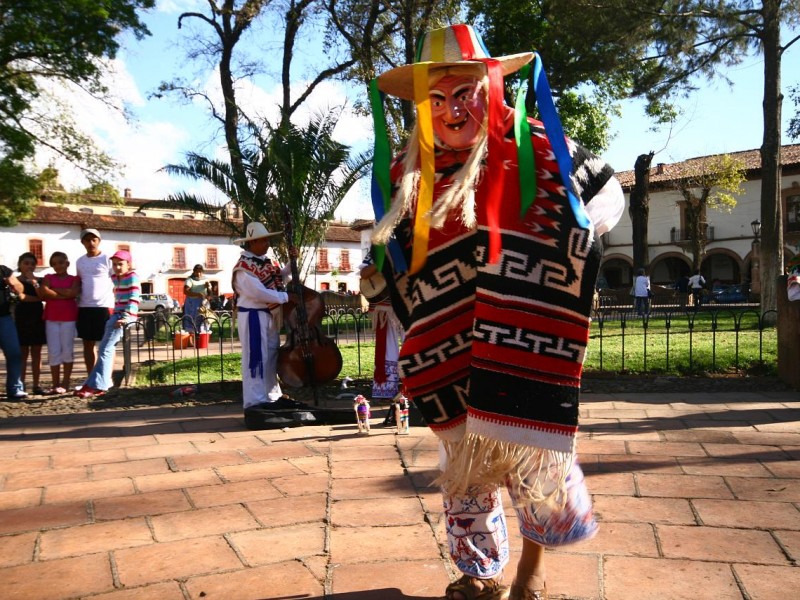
x,y
731,252
166,244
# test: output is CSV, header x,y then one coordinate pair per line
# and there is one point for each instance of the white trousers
x,y
255,389
60,341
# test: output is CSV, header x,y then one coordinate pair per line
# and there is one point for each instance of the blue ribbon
x,y
552,125
256,362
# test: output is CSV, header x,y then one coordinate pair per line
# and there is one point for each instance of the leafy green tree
x,y
380,35
244,177
658,50
794,123
103,191
685,41
17,193
707,183
45,41
591,63
362,37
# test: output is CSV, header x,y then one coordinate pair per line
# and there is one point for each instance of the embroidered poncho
x,y
493,352
262,269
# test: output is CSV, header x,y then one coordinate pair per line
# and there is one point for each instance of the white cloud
x,y
163,131
179,6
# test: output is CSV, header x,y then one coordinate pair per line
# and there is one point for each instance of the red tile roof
x,y
342,233
663,173
61,215
159,225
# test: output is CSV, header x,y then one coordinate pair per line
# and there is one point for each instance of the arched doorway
x,y
669,268
615,272
722,267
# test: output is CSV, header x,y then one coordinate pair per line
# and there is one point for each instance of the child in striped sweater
x,y
126,310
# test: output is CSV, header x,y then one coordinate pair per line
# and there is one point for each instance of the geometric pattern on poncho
x,y
504,341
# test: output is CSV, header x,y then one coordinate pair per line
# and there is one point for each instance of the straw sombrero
x,y
255,231
456,45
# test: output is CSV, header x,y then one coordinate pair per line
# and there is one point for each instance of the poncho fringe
x,y
538,475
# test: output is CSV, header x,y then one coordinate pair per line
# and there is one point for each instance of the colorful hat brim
x,y
400,80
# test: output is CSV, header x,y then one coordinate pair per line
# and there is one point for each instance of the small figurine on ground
x,y
361,408
400,406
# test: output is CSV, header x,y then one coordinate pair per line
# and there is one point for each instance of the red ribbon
x,y
495,169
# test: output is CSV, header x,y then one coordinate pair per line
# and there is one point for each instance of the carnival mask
x,y
458,108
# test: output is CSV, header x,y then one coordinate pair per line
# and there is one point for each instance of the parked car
x,y
731,294
157,302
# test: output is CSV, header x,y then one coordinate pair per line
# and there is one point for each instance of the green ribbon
x,y
381,160
522,135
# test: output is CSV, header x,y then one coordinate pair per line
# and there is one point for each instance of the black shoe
x,y
267,416
286,403
18,396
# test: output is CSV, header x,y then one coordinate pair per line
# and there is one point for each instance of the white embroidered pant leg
x,y
477,533
256,390
549,526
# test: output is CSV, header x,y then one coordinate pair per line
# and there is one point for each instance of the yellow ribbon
x,y
419,250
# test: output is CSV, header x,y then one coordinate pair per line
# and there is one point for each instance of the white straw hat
x,y
256,231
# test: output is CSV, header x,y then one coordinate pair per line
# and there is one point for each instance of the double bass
x,y
307,358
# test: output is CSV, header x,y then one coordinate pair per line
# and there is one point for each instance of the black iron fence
x,y
667,338
159,344
683,340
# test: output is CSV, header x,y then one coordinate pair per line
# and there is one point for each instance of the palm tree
x,y
308,175
301,171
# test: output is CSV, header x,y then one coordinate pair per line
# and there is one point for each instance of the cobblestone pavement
x,y
697,493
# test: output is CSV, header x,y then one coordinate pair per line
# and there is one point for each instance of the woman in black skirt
x,y
29,321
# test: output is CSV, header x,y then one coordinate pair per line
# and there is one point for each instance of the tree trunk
x,y
771,259
229,35
694,226
639,210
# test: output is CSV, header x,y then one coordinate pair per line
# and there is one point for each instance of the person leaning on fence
x,y
696,284
258,285
482,259
127,293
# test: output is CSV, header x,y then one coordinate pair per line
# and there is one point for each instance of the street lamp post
x,y
755,258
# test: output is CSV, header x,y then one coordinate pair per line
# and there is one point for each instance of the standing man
x,y
9,342
492,263
96,301
258,284
696,283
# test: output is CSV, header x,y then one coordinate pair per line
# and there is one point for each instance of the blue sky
x,y
716,118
